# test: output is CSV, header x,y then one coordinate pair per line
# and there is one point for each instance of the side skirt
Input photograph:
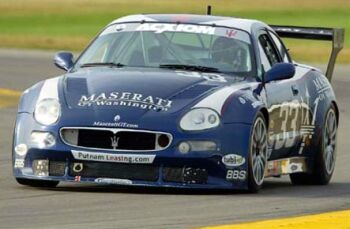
x,y
286,166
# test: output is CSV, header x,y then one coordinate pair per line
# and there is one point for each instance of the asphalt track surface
x,y
81,206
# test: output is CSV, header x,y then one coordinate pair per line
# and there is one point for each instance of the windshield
x,y
171,45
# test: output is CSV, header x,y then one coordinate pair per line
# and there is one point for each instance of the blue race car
x,y
186,101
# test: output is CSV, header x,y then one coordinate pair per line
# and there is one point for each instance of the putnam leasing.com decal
x,y
118,158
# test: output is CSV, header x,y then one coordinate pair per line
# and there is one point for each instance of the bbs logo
x,y
236,174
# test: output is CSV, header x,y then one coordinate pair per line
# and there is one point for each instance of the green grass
x,y
65,24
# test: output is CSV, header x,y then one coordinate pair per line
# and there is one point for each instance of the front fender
x,y
242,107
29,97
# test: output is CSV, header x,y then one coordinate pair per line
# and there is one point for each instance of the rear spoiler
x,y
336,35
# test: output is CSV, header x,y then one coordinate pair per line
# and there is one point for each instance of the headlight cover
x,y
47,111
200,119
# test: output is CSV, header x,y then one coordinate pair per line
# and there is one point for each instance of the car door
x,y
282,99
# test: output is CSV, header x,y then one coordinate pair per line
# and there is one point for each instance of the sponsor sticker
x,y
236,174
233,160
127,99
113,181
294,168
19,163
242,100
116,123
160,28
321,84
77,178
231,33
117,158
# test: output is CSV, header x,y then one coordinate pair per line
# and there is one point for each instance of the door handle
x,y
295,90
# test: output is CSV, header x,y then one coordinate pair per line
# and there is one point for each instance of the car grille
x,y
57,168
113,170
185,175
116,139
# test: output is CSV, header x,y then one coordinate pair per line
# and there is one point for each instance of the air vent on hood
x,y
193,92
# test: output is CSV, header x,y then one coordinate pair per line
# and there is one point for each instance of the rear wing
x,y
336,35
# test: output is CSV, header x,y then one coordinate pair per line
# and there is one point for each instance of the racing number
x,y
288,133
293,112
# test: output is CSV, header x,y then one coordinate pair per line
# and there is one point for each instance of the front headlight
x,y
47,111
200,119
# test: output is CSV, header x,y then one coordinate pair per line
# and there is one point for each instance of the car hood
x,y
139,90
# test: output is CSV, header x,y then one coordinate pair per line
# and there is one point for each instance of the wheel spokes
x,y
330,141
259,151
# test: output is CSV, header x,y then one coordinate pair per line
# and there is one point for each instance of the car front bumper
x,y
168,168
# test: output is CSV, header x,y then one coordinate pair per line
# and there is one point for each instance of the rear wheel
x,y
258,154
326,154
37,183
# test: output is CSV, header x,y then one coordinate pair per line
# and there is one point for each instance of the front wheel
x,y
37,183
325,156
257,159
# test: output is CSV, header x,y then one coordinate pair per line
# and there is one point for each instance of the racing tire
x,y
37,183
258,149
326,154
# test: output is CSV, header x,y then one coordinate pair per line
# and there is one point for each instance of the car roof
x,y
239,23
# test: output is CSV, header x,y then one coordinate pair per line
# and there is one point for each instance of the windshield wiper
x,y
108,64
189,67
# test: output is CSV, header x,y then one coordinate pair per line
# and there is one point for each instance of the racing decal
x,y
289,114
273,168
307,128
231,33
113,181
160,28
77,178
307,121
49,89
215,77
284,125
127,99
118,158
321,84
236,175
217,99
296,116
254,101
233,160
242,100
116,123
294,168
19,163
286,166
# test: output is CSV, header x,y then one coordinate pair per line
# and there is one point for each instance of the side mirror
x,y
280,71
64,60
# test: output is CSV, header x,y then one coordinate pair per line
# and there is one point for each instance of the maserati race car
x,y
187,101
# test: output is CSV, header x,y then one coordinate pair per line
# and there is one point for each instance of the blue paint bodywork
x,y
232,136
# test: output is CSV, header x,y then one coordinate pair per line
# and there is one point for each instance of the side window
x,y
264,61
269,49
281,49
